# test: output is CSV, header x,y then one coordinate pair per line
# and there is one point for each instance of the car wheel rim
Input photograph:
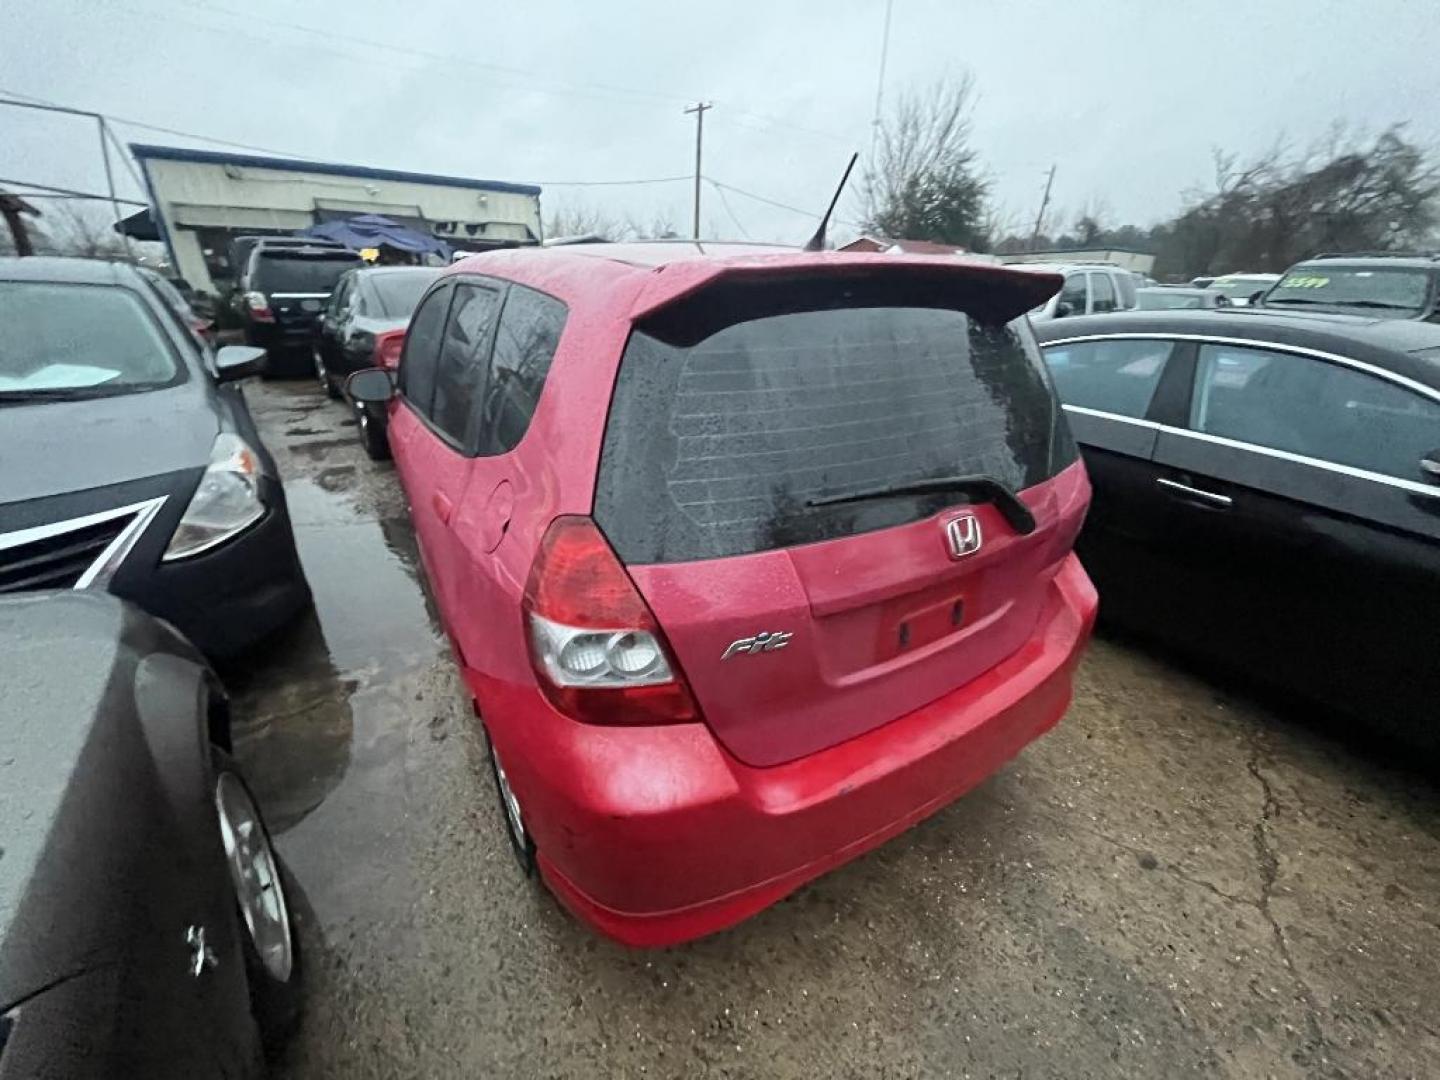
x,y
255,873
513,820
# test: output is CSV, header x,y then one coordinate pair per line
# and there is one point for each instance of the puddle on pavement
x,y
330,703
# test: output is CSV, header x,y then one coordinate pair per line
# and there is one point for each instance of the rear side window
x,y
726,420
1312,407
1112,376
525,342
1104,291
422,350
460,376
1073,294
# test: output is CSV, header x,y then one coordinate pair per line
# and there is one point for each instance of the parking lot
x,y
1176,881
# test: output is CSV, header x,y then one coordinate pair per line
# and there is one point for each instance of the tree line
x,y
1348,192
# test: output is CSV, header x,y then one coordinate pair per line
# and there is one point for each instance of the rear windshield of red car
x,y
733,409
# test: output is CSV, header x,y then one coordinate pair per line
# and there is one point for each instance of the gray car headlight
x,y
226,502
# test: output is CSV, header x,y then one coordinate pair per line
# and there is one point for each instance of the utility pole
x,y
699,110
1044,203
110,186
880,81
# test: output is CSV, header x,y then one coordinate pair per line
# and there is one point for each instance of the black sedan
x,y
129,462
146,929
364,322
1267,494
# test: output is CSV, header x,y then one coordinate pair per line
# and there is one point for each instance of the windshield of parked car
x,y
296,272
1169,299
735,413
64,340
398,291
1396,289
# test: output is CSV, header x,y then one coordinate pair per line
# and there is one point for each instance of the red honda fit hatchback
x,y
751,558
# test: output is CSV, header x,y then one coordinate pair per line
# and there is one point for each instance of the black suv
x,y
1380,285
283,290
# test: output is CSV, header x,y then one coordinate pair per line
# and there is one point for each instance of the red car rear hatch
x,y
782,476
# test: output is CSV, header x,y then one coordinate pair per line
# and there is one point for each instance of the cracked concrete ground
x,y
1175,882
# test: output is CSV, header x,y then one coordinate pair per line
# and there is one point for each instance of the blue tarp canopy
x,y
372,230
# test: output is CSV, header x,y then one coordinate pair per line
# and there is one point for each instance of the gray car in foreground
x,y
145,929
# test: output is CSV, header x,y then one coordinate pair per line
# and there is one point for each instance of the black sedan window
x,y
79,340
1117,376
1309,406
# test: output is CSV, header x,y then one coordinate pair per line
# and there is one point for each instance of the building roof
x,y
144,151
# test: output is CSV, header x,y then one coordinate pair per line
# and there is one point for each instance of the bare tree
x,y
579,219
923,182
84,228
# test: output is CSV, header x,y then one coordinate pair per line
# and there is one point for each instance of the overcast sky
x,y
1126,97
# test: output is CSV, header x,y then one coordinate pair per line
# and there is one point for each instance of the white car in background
x,y
1090,288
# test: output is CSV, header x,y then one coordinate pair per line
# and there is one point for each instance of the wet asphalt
x,y
1175,882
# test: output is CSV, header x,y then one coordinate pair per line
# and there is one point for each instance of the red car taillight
x,y
387,349
258,304
596,647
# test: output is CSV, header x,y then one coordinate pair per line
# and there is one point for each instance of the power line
x,y
468,64
129,122
744,233
30,99
763,199
45,191
779,205
610,183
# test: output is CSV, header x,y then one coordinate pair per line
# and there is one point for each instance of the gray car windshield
x,y
1342,286
79,340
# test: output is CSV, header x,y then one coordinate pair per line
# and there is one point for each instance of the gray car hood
x,y
49,448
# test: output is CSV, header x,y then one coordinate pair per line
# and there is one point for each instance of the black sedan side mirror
x,y
1430,466
238,362
370,386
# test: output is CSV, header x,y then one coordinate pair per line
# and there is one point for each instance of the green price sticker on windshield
x,y
1304,281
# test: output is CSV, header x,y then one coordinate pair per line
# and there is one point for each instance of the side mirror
x,y
1221,300
238,362
370,386
1064,308
1430,466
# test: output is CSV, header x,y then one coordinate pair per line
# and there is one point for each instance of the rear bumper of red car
x,y
657,835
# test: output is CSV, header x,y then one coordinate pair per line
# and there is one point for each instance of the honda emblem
x,y
963,535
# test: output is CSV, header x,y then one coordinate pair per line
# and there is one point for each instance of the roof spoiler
x,y
1000,293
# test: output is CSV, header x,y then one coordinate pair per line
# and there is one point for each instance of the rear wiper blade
x,y
979,487
1374,304
1294,300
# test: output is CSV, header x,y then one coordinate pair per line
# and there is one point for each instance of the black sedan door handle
x,y
1195,493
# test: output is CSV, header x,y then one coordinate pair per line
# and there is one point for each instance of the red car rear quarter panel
x,y
551,471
